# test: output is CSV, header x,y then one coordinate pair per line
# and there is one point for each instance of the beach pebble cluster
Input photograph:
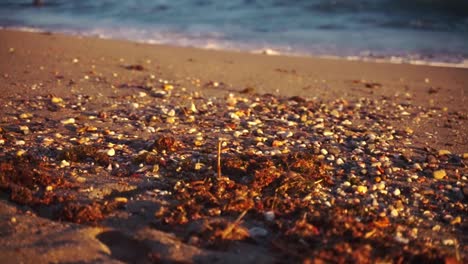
x,y
361,162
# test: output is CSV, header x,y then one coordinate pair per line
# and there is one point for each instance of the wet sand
x,y
157,111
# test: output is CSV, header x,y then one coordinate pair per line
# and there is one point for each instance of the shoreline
x,y
110,153
398,60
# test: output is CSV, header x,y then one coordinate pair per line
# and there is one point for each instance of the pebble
x,y
257,232
465,155
24,129
170,120
417,167
396,192
64,164
56,100
339,162
121,199
269,216
444,152
20,142
80,179
439,174
361,189
25,115
346,123
394,213
448,242
400,239
110,152
199,166
13,220
456,220
68,121
20,152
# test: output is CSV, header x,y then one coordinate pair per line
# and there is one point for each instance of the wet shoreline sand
x,y
122,136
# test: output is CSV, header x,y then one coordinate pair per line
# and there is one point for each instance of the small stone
x,y
64,164
444,152
396,192
49,188
394,213
448,242
110,152
339,161
381,186
439,174
20,152
409,131
257,232
193,108
269,216
361,189
284,134
199,166
400,239
346,123
68,121
80,179
25,115
20,142
168,87
456,220
170,120
417,167
335,113
465,155
56,100
24,129
121,199
13,220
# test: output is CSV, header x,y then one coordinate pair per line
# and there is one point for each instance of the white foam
x,y
212,42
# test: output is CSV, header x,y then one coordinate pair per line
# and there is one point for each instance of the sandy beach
x,y
110,154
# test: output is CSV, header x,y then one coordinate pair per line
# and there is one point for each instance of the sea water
x,y
404,31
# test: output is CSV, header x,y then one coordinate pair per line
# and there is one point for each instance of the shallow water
x,y
397,30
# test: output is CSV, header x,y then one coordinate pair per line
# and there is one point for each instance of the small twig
x,y
230,227
219,158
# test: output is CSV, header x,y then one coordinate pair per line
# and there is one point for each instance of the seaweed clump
x,y
27,179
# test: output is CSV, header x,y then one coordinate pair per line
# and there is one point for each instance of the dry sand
x,y
54,65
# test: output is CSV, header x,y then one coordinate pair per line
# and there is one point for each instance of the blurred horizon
x,y
425,30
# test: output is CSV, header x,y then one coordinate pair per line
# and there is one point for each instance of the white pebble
x,y
64,164
110,152
68,121
269,216
20,142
